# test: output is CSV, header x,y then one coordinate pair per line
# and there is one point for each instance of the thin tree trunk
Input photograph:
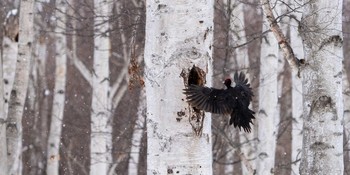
x,y
137,135
178,36
19,91
268,108
101,129
3,142
9,52
346,94
54,138
321,31
297,96
346,82
9,60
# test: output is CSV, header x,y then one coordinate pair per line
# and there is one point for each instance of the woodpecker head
x,y
228,82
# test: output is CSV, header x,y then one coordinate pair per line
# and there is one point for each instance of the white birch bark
x,y
101,121
321,31
268,99
346,95
137,135
3,142
297,97
19,91
7,76
9,68
178,36
54,138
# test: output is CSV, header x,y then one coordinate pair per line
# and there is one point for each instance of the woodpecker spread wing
x,y
212,100
243,86
233,100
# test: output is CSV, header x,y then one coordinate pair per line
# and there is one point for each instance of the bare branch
x,y
119,95
281,39
84,71
117,83
246,162
81,67
235,148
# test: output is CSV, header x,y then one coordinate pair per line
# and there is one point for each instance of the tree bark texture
x,y
178,36
321,30
54,138
19,91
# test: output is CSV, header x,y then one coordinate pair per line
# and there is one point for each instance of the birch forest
x,y
98,87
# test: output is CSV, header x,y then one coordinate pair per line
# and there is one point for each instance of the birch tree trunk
x,y
321,31
19,91
8,68
54,138
297,96
268,99
3,142
9,53
178,36
101,129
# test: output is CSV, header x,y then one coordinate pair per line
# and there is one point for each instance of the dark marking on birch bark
x,y
11,126
162,8
338,133
262,111
14,93
335,39
325,101
321,146
206,33
339,74
323,104
2,121
180,115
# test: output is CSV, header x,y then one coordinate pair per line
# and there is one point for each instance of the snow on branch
x,y
293,61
